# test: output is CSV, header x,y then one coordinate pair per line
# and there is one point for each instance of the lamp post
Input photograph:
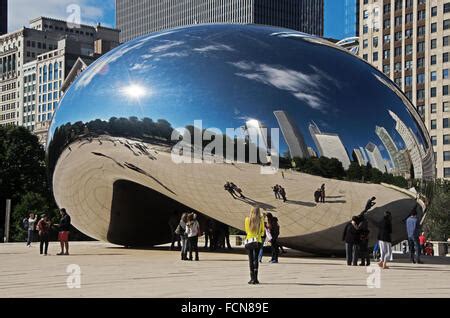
x,y
7,220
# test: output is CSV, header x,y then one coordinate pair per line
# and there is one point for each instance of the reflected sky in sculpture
x,y
228,74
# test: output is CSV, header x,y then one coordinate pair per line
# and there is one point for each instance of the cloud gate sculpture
x,y
163,122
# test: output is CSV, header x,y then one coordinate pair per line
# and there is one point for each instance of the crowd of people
x,y
44,228
233,190
189,231
356,238
319,194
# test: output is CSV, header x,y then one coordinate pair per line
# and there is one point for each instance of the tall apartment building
x,y
34,62
3,16
409,40
139,17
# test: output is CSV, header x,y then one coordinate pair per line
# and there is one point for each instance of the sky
x,y
339,14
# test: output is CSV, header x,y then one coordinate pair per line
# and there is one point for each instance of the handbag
x,y
251,243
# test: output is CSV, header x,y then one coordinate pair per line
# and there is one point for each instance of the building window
x,y
446,123
434,11
408,65
446,172
433,60
433,76
433,27
420,47
433,108
408,80
446,107
446,139
433,124
433,44
434,140
447,7
446,24
446,155
420,94
386,54
445,73
365,43
421,78
445,90
375,56
433,92
446,41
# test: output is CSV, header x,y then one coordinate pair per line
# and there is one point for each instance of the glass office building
x,y
137,17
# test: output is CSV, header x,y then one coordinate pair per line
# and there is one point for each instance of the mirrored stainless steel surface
x,y
110,142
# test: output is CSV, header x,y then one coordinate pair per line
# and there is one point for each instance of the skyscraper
x,y
3,16
359,157
375,158
400,165
135,18
329,145
292,136
411,145
410,42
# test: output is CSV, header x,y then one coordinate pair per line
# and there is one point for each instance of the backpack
x,y
25,224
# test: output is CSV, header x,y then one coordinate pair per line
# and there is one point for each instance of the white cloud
x,y
215,47
22,11
308,88
167,45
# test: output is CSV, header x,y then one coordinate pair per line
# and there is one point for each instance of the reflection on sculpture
x,y
341,123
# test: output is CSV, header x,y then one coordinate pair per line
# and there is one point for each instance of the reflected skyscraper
x,y
293,137
375,157
329,145
400,165
411,144
359,157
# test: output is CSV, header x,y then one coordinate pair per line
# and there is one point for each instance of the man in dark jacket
x,y
350,237
363,246
413,230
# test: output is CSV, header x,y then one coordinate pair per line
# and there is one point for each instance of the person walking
x,y
254,228
385,240
192,232
413,228
275,233
64,231
181,231
32,218
350,238
322,193
44,226
265,239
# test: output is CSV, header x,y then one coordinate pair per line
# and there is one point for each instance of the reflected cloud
x,y
305,87
215,47
166,46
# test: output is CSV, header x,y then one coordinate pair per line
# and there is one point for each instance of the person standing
x,y
322,193
275,233
283,193
32,218
181,231
363,245
422,242
412,228
385,240
64,231
275,190
254,228
192,232
173,223
44,226
350,238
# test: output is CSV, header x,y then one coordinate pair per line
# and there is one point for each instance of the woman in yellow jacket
x,y
254,227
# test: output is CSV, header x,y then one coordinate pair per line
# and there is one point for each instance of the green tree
x,y
437,221
355,172
22,171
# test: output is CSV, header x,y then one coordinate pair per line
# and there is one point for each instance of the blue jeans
x,y
351,253
184,246
414,248
261,251
30,237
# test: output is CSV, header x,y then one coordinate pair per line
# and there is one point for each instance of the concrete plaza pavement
x,y
113,271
